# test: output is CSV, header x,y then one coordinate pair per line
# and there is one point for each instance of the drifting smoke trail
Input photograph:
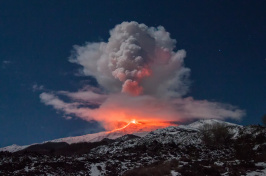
x,y
144,78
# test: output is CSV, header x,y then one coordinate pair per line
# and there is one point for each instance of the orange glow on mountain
x,y
131,122
134,121
139,126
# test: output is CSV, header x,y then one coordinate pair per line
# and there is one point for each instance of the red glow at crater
x,y
141,126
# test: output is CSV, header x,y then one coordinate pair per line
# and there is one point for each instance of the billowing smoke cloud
x,y
143,78
136,60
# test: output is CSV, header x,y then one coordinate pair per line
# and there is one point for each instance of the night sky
x,y
225,43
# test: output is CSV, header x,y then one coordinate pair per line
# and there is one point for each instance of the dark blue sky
x,y
225,43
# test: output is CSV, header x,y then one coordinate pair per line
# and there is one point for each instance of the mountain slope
x,y
132,128
13,148
201,123
173,150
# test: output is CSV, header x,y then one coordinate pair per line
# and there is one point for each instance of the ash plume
x,y
143,77
135,60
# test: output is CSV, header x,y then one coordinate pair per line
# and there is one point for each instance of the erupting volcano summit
x,y
141,76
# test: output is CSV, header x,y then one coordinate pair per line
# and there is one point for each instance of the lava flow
x,y
141,126
131,122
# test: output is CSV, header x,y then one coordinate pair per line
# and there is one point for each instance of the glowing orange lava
x,y
140,126
134,121
131,122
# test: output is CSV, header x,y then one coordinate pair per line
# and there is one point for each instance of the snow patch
x,y
174,173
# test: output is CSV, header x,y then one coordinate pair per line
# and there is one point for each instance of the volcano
x,y
174,150
137,128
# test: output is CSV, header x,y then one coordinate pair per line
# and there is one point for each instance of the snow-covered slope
x,y
13,148
176,131
141,132
96,137
180,149
201,123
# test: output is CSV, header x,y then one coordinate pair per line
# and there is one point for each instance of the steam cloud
x,y
142,76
